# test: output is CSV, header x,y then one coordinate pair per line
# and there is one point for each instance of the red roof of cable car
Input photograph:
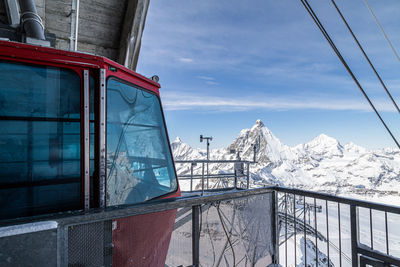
x,y
33,53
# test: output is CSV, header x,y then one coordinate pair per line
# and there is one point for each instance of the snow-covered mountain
x,y
323,164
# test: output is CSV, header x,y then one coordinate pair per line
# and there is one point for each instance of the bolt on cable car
x,y
79,132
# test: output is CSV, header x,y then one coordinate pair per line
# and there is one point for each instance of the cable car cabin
x,y
80,132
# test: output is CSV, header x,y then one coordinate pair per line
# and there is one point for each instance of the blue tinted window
x,y
139,162
39,140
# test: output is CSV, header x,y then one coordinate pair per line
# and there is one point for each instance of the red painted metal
x,y
143,240
139,240
53,57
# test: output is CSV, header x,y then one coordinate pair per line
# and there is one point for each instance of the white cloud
x,y
207,78
178,101
185,60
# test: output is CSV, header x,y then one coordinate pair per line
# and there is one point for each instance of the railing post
x,y
202,180
354,235
248,175
207,176
195,236
235,181
191,176
275,228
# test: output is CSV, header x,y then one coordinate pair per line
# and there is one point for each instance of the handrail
x,y
358,248
338,199
151,206
238,167
213,161
302,201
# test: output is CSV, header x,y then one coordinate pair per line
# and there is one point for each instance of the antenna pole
x,y
208,139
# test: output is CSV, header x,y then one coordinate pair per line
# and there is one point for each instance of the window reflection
x,y
139,162
39,140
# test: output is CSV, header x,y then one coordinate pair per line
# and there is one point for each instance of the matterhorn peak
x,y
177,140
260,123
259,126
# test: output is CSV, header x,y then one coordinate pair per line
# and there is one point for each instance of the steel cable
x,y
332,44
365,55
382,30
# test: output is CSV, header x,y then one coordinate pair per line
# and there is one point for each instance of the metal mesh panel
x,y
237,232
90,244
180,248
232,233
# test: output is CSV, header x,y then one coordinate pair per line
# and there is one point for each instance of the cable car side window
x,y
40,156
139,161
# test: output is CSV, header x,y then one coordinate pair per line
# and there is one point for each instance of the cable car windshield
x,y
139,161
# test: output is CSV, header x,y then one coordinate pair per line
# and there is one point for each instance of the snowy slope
x,y
322,164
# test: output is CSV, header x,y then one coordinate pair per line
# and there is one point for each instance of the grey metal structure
x,y
12,11
84,239
31,23
110,28
292,218
102,141
208,139
233,180
241,227
86,133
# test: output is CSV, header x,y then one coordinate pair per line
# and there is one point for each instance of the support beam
x,y
12,13
131,34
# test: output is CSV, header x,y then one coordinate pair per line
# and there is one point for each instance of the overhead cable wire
x,y
366,56
332,44
382,30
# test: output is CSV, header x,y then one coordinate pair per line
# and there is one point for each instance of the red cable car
x,y
80,132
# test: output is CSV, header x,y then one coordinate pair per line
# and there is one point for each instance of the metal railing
x,y
239,177
277,225
333,229
85,238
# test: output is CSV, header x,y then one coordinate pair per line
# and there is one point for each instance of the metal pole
x,y
354,235
191,177
202,179
248,175
102,140
31,21
208,139
235,181
208,158
275,228
86,131
73,39
76,26
195,236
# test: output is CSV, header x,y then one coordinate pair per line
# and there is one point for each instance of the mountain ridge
x,y
321,164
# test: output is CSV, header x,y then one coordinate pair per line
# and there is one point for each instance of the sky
x,y
224,64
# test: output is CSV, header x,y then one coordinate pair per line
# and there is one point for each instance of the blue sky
x,y
224,64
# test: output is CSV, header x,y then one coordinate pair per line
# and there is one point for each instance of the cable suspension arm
x,y
365,55
332,44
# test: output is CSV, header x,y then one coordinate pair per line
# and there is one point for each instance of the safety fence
x,y
226,229
249,227
318,229
206,175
